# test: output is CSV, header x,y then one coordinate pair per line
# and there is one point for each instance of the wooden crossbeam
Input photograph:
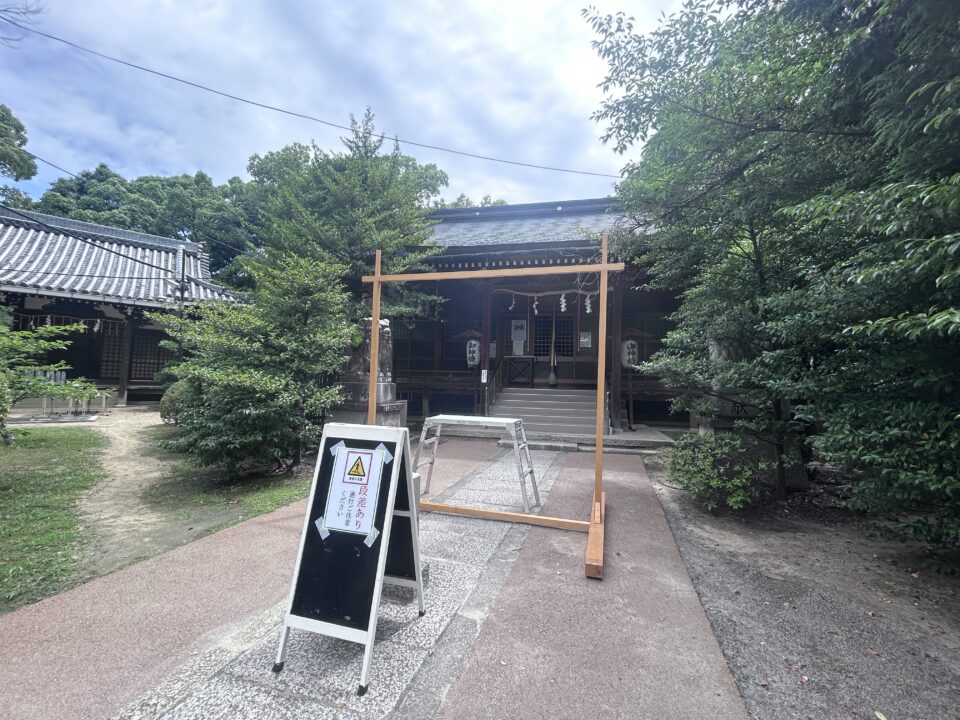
x,y
594,528
504,516
603,267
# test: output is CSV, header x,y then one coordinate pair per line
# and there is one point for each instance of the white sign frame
x,y
346,432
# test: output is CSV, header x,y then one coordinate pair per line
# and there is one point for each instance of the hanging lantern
x,y
473,353
563,302
536,302
587,303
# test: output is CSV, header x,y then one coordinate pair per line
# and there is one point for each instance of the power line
x,y
304,116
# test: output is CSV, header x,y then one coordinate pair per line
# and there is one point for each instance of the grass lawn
x,y
202,495
41,478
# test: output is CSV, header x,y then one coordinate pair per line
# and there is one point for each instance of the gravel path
x,y
817,620
123,526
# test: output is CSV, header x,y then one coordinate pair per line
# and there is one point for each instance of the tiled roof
x,y
45,255
547,222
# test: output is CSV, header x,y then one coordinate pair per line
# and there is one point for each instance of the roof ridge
x,y
105,232
537,209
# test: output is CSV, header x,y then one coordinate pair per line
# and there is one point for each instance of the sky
x,y
516,80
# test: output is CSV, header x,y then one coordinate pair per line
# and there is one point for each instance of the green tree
x,y
189,207
259,375
342,206
798,190
14,162
462,201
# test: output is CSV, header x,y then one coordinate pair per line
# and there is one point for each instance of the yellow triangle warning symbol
x,y
357,469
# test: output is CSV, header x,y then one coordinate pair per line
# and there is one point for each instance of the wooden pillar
x,y
485,345
594,554
616,333
126,350
374,344
601,375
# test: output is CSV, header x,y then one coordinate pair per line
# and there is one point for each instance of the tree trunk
x,y
298,445
778,447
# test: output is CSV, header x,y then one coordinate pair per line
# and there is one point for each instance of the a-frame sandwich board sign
x,y
360,532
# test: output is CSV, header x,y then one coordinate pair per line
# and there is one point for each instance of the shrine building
x,y
55,271
533,339
522,347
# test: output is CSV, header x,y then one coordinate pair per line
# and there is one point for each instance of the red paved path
x,y
89,652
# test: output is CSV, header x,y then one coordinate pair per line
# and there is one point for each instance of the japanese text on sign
x,y
354,488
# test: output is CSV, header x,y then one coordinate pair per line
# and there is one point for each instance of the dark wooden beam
x,y
126,349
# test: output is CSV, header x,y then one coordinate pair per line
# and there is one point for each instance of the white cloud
x,y
512,80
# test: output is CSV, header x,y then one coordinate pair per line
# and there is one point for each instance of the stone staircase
x,y
554,411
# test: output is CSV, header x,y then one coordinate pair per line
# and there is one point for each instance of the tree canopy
x,y
342,206
189,207
14,162
798,190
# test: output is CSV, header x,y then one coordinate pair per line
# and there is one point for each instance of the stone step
x,y
545,402
553,418
548,392
541,409
553,429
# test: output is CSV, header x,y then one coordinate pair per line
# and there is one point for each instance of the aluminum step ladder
x,y
514,426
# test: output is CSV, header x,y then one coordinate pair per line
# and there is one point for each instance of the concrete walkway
x,y
636,645
88,652
513,628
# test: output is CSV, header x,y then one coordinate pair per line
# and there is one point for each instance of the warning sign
x,y
354,488
357,469
359,534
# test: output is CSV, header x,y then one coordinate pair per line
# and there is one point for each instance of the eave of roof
x,y
41,257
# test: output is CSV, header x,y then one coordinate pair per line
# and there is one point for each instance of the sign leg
x,y
282,650
365,668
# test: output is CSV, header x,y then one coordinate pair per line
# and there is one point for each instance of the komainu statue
x,y
358,366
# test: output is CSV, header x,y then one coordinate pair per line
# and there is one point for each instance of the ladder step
x,y
424,462
432,440
528,471
523,445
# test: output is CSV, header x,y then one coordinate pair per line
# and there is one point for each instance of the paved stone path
x,y
415,658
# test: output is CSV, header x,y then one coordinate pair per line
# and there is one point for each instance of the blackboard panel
x,y
338,574
403,501
400,562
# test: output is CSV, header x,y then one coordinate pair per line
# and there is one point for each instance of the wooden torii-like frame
x,y
595,526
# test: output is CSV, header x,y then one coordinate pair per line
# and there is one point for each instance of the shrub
x,y
716,469
258,375
174,400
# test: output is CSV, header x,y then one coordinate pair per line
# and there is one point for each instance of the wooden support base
x,y
594,554
502,515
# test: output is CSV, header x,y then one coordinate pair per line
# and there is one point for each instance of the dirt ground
x,y
816,618
123,525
